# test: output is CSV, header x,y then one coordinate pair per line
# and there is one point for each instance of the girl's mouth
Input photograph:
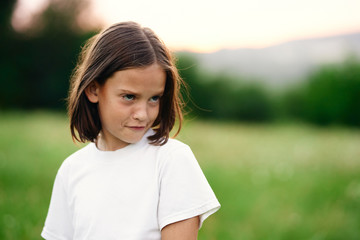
x,y
138,128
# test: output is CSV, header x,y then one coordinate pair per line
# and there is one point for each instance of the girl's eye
x,y
129,97
154,99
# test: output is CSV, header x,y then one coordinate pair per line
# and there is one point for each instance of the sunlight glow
x,y
208,25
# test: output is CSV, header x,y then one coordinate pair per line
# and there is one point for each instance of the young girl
x,y
131,181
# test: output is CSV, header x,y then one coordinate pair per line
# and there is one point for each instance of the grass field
x,y
274,181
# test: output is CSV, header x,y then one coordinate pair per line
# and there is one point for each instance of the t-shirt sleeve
x,y
58,224
184,190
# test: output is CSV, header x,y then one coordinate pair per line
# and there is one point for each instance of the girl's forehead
x,y
149,77
141,72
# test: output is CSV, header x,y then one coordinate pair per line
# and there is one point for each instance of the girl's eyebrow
x,y
126,91
160,92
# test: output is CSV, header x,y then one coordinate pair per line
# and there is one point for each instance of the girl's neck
x,y
104,144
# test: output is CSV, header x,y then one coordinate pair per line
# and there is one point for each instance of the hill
x,y
284,63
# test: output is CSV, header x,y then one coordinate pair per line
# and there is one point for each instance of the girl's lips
x,y
137,127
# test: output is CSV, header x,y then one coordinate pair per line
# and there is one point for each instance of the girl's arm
x,y
182,230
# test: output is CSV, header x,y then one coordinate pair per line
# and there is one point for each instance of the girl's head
x,y
123,52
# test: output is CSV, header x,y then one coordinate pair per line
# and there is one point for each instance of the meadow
x,y
274,181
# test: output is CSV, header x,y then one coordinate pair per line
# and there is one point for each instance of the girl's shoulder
x,y
174,145
82,153
77,157
172,142
174,152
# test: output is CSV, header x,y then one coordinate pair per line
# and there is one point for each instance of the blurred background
x,y
273,113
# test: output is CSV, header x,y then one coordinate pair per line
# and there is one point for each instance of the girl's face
x,y
128,104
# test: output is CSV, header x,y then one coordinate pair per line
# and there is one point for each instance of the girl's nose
x,y
140,112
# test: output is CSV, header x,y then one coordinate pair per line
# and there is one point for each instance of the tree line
x,y
35,64
329,95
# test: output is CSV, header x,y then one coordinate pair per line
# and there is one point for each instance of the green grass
x,y
274,181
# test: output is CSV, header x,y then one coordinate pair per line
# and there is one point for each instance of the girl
x,y
131,181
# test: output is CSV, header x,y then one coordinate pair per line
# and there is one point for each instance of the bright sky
x,y
207,25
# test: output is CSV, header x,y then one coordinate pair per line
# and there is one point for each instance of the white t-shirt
x,y
131,193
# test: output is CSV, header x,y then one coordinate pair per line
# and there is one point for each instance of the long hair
x,y
122,46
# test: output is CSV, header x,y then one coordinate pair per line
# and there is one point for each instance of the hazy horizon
x,y
208,26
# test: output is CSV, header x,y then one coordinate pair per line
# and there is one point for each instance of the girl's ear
x,y
92,92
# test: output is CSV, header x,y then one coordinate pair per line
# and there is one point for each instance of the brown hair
x,y
122,46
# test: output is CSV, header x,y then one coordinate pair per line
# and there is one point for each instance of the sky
x,y
207,25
